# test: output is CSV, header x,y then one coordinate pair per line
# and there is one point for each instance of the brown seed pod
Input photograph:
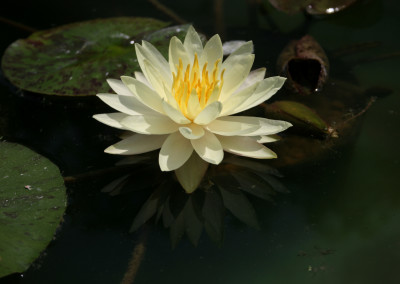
x,y
305,64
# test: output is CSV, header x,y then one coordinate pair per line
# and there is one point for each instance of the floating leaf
x,y
76,59
290,6
305,65
304,119
32,203
236,202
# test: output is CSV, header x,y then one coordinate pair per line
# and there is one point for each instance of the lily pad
x,y
32,203
76,59
314,7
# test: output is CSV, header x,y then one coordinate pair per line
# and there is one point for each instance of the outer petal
x,y
266,89
175,151
143,93
209,148
193,43
140,77
192,131
119,87
147,124
111,119
246,146
254,77
191,173
267,138
158,61
245,48
209,113
137,144
237,99
237,69
262,126
225,127
113,101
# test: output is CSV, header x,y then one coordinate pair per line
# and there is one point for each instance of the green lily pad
x,y
76,59
314,7
32,203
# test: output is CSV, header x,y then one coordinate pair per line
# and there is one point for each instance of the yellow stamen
x,y
192,78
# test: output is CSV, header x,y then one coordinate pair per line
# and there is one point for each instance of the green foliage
x,y
32,203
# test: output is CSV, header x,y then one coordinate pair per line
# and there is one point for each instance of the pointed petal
x,y
227,127
111,119
246,146
146,95
114,101
209,148
237,99
119,87
191,173
174,114
245,48
193,43
211,53
254,77
177,51
155,78
175,151
261,126
192,131
237,69
158,61
265,90
147,124
140,77
209,113
137,144
267,138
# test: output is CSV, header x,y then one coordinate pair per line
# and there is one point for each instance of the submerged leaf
x,y
32,203
236,202
76,59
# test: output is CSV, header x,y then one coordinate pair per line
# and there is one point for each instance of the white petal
x,y
155,78
263,126
146,95
209,113
267,139
193,106
175,151
191,173
119,87
237,69
246,146
254,77
147,124
230,46
158,61
140,77
137,107
224,126
192,131
211,53
137,144
193,43
174,114
266,89
209,148
237,99
114,101
244,48
177,51
111,119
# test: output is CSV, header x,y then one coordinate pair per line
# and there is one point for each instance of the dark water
x,y
339,224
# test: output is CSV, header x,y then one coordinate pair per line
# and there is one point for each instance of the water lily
x,y
183,106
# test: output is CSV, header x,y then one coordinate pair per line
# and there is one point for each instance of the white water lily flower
x,y
183,106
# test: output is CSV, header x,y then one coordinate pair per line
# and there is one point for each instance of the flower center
x,y
192,83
